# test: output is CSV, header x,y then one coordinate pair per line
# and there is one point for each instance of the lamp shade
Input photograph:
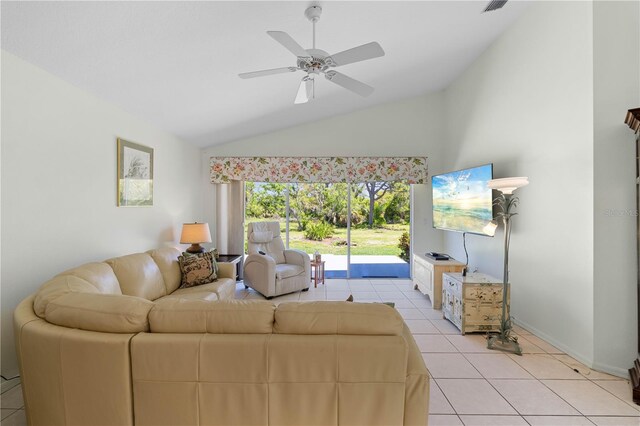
x,y
195,233
508,185
490,228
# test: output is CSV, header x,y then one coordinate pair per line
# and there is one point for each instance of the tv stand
x,y
427,276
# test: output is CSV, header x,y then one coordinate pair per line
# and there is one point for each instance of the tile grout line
x,y
552,391
445,396
559,396
616,396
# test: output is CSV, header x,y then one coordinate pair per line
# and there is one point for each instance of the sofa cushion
x,y
224,288
167,260
197,269
59,286
108,313
202,295
138,275
286,270
175,315
98,274
337,318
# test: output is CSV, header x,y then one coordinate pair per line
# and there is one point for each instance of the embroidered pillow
x,y
197,269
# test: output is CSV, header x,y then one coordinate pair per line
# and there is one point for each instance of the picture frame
x,y
135,174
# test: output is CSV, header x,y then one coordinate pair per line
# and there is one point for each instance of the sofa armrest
x,y
108,313
226,270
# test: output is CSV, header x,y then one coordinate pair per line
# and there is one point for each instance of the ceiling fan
x,y
314,61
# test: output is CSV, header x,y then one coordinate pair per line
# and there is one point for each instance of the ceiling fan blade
x,y
287,41
494,5
349,83
304,91
267,72
357,54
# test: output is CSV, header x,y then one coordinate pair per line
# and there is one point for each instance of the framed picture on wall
x,y
135,174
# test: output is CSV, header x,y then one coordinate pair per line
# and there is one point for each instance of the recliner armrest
x,y
297,257
260,273
265,263
263,259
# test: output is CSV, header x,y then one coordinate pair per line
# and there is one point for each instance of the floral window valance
x,y
319,169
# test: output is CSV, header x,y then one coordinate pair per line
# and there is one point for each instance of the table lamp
x,y
194,234
506,203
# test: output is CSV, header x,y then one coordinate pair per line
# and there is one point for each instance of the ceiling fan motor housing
x,y
313,13
319,61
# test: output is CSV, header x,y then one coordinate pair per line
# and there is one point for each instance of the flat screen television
x,y
462,201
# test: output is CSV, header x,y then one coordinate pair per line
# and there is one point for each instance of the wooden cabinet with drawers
x,y
472,303
427,276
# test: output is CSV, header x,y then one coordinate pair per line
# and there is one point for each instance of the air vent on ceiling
x,y
494,5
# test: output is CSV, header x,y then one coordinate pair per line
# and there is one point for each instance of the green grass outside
x,y
377,241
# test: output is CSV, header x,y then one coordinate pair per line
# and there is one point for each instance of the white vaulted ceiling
x,y
175,64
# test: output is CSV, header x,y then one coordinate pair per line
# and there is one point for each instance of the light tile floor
x,y
470,384
12,407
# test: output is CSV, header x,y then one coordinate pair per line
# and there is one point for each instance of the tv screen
x,y
462,201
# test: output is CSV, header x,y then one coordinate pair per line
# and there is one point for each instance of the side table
x,y
317,272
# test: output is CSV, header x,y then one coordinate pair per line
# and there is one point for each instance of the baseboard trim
x,y
611,370
603,368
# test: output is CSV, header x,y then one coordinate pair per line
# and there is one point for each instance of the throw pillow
x,y
197,269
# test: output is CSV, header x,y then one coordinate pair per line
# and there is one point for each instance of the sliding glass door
x,y
361,230
318,221
265,201
380,221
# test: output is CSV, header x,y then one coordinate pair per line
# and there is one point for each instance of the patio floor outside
x,y
366,266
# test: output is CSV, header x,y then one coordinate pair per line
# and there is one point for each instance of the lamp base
x,y
195,248
503,343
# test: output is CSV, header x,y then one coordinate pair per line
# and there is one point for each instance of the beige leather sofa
x,y
115,343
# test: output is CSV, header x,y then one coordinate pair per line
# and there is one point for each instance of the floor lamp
x,y
506,203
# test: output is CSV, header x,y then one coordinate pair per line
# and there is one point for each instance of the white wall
x,y
411,127
616,64
59,185
526,106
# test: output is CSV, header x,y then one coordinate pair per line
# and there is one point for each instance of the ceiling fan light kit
x,y
316,61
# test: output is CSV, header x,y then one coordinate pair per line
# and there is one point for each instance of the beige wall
x,y
616,69
413,127
527,107
547,101
59,185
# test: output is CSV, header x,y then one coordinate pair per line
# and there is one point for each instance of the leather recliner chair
x,y
278,271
